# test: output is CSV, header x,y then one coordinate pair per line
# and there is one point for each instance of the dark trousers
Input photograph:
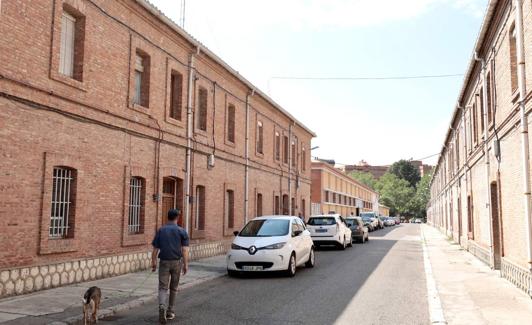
x,y
169,272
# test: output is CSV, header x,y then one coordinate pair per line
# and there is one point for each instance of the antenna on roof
x,y
182,17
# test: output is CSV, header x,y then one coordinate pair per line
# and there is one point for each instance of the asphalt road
x,y
380,282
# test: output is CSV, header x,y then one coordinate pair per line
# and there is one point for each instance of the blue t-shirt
x,y
170,239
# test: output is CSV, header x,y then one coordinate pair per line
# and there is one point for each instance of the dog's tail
x,y
87,297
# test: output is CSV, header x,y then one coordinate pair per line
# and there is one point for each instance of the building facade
x,y
480,190
335,192
110,114
378,171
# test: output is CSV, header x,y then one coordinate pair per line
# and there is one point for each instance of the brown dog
x,y
91,302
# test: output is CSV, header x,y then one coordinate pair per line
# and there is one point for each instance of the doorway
x,y
497,235
172,198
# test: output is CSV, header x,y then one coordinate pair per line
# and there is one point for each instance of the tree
x,y
396,193
364,178
418,204
406,170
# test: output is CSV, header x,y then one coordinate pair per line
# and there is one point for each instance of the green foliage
x,y
396,193
364,178
421,198
405,170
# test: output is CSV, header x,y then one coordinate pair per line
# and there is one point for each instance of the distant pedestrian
x,y
170,245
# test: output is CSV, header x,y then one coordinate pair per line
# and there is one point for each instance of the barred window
x,y
63,202
202,109
137,190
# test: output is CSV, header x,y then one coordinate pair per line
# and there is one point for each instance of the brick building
x,y
334,191
110,114
378,171
480,191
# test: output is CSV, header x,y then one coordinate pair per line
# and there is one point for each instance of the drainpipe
x,y
246,176
290,168
188,168
486,152
524,122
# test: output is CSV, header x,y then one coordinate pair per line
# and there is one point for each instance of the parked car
x,y
377,224
389,222
329,229
368,223
271,243
397,220
359,232
418,221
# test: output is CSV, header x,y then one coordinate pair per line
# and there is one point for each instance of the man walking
x,y
171,246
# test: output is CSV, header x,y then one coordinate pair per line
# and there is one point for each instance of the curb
x,y
109,311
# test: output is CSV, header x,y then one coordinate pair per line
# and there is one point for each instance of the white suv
x,y
329,229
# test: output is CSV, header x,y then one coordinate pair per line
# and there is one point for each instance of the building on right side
x,y
480,189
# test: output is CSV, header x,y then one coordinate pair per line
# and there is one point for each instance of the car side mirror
x,y
236,232
297,233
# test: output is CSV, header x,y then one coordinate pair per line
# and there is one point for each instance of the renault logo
x,y
252,250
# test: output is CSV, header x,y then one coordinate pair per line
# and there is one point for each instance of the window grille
x,y
136,205
62,205
202,109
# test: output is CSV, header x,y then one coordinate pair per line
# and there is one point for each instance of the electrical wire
x,y
370,78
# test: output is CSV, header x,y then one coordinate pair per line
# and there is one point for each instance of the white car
x,y
330,229
271,243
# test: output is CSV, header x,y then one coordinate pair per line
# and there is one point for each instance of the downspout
x,y
486,152
246,176
524,122
188,168
290,168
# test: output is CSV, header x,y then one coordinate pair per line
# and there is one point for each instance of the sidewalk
x,y
470,292
63,305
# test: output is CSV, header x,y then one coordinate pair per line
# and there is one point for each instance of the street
x,y
380,282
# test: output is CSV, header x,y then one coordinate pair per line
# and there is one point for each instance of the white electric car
x,y
271,243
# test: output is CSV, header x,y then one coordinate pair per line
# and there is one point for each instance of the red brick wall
x,y
92,125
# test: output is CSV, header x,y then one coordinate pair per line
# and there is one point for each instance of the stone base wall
x,y
29,279
209,249
520,277
480,252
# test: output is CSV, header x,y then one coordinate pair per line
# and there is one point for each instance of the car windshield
x,y
266,228
351,222
322,221
366,218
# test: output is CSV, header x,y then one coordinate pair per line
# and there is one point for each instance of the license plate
x,y
252,268
321,230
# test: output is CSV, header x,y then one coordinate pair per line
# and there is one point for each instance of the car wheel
x,y
232,273
367,238
350,242
291,271
344,244
311,258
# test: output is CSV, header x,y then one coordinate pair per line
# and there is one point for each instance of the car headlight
x,y
235,246
275,246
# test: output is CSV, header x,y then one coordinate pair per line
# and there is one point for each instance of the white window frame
x,y
67,49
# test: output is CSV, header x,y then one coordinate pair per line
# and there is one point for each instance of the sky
x,y
379,121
